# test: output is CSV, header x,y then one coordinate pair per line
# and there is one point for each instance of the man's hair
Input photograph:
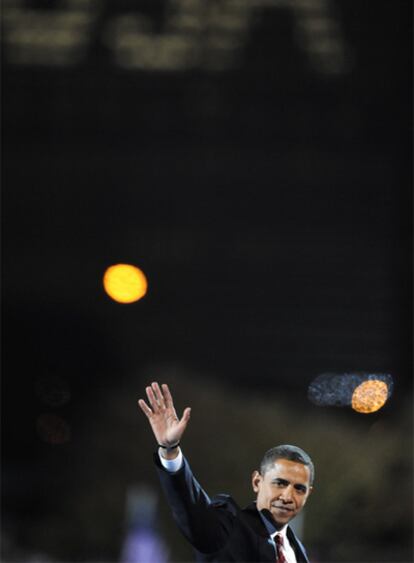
x,y
291,453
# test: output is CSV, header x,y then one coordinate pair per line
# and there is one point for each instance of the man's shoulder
x,y
226,502
246,516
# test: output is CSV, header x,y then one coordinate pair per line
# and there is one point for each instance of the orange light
x,y
125,283
370,396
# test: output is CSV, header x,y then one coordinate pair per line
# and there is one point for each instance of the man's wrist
x,y
169,453
169,446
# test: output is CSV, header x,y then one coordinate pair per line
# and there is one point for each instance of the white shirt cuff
x,y
172,465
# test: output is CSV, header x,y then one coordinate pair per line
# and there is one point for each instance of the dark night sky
x,y
268,206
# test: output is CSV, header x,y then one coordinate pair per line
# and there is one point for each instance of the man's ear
x,y
256,480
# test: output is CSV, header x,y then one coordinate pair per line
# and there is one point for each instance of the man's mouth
x,y
282,508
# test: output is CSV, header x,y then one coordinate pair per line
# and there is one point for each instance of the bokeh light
x,y
53,390
125,283
53,429
343,389
370,396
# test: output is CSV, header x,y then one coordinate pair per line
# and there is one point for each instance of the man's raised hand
x,y
167,427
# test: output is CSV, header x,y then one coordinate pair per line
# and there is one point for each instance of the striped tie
x,y
279,547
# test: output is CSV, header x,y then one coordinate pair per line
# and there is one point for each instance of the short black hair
x,y
291,453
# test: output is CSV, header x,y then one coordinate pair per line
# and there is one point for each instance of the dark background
x,y
261,178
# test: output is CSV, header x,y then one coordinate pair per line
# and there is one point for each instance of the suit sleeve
x,y
206,524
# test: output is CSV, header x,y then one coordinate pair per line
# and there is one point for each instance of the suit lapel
x,y
254,519
300,553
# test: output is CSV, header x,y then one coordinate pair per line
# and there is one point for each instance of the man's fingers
x,y
152,399
145,408
184,420
167,396
186,415
158,394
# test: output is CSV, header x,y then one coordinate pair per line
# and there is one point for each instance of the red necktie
x,y
279,545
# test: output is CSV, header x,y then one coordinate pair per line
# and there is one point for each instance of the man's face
x,y
283,489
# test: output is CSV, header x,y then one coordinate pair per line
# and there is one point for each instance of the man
x,y
217,528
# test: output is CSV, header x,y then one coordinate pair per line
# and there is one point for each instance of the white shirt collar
x,y
282,532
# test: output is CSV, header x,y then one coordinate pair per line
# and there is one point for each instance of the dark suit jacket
x,y
217,528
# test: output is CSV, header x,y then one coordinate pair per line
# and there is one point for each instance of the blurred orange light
x,y
125,283
370,396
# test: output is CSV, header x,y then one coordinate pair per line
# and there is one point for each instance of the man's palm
x,y
167,427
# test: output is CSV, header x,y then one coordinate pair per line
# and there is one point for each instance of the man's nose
x,y
287,494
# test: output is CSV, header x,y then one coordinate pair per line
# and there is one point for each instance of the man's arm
x,y
205,524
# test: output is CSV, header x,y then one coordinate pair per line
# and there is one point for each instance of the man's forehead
x,y
289,470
